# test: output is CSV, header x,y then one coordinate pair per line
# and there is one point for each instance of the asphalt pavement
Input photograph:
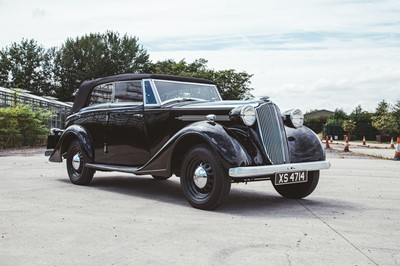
x,y
352,218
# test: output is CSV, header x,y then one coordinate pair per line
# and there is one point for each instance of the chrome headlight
x,y
248,115
297,118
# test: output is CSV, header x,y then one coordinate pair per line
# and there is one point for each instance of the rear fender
x,y
71,133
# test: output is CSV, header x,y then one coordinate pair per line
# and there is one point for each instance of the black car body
x,y
164,125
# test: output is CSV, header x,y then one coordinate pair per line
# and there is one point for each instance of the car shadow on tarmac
x,y
241,201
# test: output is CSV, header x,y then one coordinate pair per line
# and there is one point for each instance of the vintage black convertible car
x,y
162,125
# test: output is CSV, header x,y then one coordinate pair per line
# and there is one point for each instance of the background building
x,y
12,97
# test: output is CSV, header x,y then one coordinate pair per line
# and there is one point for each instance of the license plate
x,y
291,178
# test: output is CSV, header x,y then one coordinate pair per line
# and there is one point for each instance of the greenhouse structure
x,y
12,97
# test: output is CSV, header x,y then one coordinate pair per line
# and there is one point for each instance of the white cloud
x,y
308,54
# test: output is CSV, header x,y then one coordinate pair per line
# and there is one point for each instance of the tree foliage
x,y
337,118
385,118
316,123
383,108
232,85
22,127
60,71
349,126
386,124
27,65
396,112
96,55
359,115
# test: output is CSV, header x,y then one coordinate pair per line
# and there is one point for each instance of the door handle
x,y
138,115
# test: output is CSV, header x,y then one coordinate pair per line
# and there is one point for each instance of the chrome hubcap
x,y
76,161
200,177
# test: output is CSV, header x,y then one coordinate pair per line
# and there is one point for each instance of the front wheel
x,y
298,191
204,181
77,172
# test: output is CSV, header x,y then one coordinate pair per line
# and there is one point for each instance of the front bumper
x,y
265,170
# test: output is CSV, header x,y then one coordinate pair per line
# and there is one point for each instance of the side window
x,y
150,98
128,91
101,94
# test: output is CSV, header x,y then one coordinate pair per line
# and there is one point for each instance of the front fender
x,y
304,145
227,148
69,134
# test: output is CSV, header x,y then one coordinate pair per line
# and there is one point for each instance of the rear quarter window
x,y
101,94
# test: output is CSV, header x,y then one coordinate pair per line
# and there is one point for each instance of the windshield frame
x,y
180,97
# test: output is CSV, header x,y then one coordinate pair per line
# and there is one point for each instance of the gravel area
x,y
22,151
333,153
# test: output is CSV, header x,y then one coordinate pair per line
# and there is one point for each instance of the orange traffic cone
x,y
346,144
327,142
364,143
397,152
391,143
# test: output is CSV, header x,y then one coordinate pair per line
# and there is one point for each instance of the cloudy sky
x,y
307,54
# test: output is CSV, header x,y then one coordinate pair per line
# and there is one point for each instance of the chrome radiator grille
x,y
272,132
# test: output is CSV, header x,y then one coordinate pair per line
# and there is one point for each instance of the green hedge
x,y
20,126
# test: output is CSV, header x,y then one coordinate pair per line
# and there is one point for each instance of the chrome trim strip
x,y
263,170
108,167
202,118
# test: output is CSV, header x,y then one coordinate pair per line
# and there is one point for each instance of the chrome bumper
x,y
264,170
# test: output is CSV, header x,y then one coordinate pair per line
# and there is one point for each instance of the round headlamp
x,y
297,118
248,115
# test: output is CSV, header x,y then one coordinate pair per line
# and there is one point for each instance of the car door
x,y
127,141
94,119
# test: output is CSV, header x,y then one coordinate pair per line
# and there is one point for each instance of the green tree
x,y
385,118
337,118
232,85
23,127
96,55
383,108
360,116
316,123
349,126
396,113
197,68
386,124
28,66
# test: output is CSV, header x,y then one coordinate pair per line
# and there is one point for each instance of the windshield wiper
x,y
184,100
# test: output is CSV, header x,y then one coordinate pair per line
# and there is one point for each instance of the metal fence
x,y
12,97
362,130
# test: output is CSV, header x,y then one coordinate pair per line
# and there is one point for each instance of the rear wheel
x,y
204,181
77,172
301,190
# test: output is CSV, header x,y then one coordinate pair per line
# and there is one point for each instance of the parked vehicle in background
x,y
163,125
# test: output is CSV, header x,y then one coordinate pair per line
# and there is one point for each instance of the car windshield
x,y
171,90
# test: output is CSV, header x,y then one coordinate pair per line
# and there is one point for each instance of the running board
x,y
109,167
